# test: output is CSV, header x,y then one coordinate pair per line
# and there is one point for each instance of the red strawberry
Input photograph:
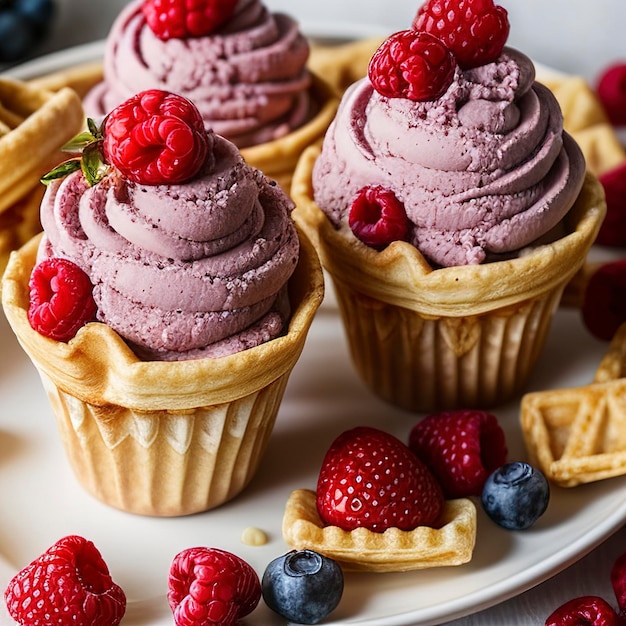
x,y
613,228
156,137
67,584
474,30
604,303
180,19
371,479
377,217
211,586
584,611
411,65
461,448
611,91
61,299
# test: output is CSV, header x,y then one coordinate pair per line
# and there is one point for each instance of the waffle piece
x,y
81,78
578,435
392,551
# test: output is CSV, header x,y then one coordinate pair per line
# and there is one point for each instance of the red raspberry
x,y
411,65
371,479
377,217
613,228
611,90
475,30
156,137
61,299
67,584
180,19
461,448
211,586
604,303
586,610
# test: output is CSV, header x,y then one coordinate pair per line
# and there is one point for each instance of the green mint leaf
x,y
79,142
61,171
92,163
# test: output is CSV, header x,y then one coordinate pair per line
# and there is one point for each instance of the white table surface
x,y
576,37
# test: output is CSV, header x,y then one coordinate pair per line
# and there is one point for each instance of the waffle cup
x,y
162,438
463,337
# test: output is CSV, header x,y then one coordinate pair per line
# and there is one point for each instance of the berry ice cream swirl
x,y
184,268
247,76
481,169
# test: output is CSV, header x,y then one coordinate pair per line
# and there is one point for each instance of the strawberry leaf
x,y
92,163
61,171
79,142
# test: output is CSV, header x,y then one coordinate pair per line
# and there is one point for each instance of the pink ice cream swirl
x,y
483,171
182,271
248,78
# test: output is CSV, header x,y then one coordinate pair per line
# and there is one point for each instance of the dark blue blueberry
x,y
302,586
17,37
516,495
38,12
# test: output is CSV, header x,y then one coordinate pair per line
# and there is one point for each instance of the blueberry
x,y
516,495
16,36
302,586
38,12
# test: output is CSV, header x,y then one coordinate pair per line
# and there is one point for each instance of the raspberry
x,y
180,19
613,228
588,610
411,65
211,586
461,448
474,30
377,217
67,584
61,299
604,304
156,137
611,90
371,479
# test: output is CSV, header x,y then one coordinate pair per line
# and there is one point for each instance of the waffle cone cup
x,y
162,438
458,337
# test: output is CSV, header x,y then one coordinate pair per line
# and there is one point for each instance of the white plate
x,y
43,502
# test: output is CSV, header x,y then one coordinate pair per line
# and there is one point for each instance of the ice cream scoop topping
x,y
474,30
180,19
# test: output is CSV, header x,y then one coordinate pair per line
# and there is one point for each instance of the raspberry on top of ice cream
x,y
482,170
247,75
184,264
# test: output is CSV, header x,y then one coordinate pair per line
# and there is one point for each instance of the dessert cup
x,y
461,336
162,438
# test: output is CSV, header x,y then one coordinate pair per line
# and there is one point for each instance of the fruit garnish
x,y
613,229
516,495
370,479
474,30
68,584
377,217
23,25
303,586
411,65
604,304
461,448
611,90
61,299
584,611
211,586
155,137
180,19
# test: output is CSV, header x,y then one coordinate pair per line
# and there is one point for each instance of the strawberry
x,y
474,30
613,229
411,65
611,90
377,217
67,584
211,586
180,19
461,448
604,305
61,299
586,610
371,479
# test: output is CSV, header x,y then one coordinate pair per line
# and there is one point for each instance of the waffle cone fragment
x,y
162,438
394,550
462,336
578,435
